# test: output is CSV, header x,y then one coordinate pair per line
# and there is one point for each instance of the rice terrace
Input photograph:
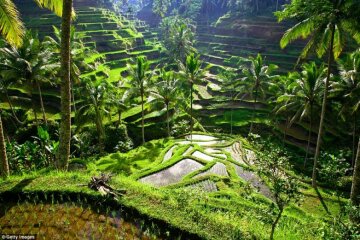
x,y
186,119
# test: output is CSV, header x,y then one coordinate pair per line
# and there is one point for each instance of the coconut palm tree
x,y
65,87
79,55
139,81
31,64
192,73
233,88
4,170
324,22
347,91
257,80
304,96
6,82
166,91
11,26
118,100
94,105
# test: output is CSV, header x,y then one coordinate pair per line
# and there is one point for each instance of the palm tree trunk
x,y
41,102
142,117
119,119
285,130
65,125
100,130
253,113
277,5
355,188
273,226
73,96
323,109
4,171
231,120
33,105
12,107
354,143
309,138
168,119
191,110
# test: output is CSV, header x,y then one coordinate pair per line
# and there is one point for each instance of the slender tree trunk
x,y
354,143
231,120
168,119
285,130
12,108
254,109
4,171
142,116
65,125
119,119
277,5
274,224
41,102
73,96
309,138
355,188
191,110
323,110
100,129
33,105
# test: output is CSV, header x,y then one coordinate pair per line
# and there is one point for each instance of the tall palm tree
x,y
166,91
94,105
258,79
11,26
65,91
304,96
4,170
139,81
118,100
324,22
79,54
6,82
233,88
193,73
347,91
32,64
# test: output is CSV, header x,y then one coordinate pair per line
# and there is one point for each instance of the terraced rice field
x,y
204,162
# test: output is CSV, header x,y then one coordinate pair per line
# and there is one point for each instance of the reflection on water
x,y
67,221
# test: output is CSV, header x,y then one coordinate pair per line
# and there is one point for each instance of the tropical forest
x,y
180,120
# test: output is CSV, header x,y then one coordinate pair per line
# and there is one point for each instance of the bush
x,y
117,139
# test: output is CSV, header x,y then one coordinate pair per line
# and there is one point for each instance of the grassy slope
x,y
218,215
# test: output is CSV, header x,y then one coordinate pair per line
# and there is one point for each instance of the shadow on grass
x,y
7,205
322,201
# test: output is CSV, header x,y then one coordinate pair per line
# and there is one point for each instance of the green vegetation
x,y
157,98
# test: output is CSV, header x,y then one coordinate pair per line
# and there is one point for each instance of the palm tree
x,y
233,87
65,91
304,96
284,86
4,170
325,23
11,26
6,82
166,91
79,54
347,90
193,73
257,80
139,81
118,100
31,63
94,105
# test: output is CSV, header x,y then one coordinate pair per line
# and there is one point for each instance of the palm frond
x,y
11,26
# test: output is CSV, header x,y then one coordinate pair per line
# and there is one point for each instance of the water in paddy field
x,y
67,221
